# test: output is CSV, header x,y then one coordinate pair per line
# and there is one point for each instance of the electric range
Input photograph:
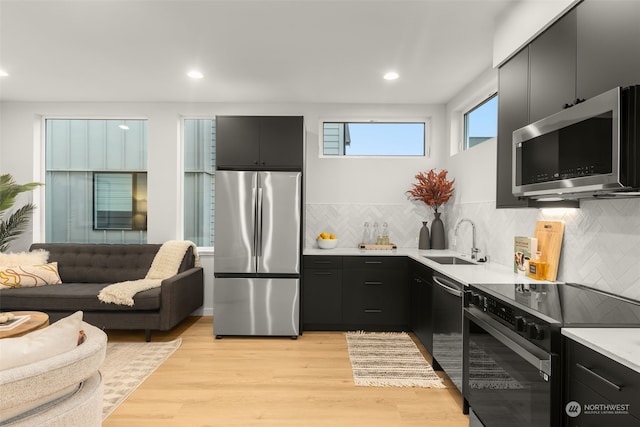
x,y
513,346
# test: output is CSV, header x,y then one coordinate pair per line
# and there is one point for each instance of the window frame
x,y
182,169
426,121
465,125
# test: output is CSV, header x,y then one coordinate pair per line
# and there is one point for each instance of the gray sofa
x,y
86,268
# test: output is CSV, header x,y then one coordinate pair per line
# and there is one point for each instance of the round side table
x,y
36,320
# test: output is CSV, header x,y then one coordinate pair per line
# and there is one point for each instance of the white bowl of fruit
x,y
327,240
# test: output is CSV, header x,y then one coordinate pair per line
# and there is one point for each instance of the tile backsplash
x,y
601,245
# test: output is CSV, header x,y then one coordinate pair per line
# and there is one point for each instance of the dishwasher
x,y
447,327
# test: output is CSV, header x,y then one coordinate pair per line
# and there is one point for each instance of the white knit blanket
x,y
165,264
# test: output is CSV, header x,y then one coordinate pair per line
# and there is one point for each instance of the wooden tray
x,y
373,247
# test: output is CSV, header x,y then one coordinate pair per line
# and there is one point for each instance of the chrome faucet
x,y
474,249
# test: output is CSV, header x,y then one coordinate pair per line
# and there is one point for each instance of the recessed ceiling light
x,y
123,127
3,73
195,74
391,75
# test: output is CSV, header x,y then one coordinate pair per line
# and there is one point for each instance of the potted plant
x,y
434,189
12,225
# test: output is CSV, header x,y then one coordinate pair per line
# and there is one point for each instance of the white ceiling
x,y
290,51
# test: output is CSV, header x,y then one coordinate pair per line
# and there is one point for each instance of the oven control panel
x,y
526,325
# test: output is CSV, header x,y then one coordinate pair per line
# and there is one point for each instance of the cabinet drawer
x,y
322,262
608,378
375,262
589,416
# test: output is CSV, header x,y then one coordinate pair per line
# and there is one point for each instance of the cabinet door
x,y
281,142
552,68
421,302
237,141
513,113
608,46
591,377
322,292
375,292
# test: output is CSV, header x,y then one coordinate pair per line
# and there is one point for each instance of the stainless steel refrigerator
x,y
257,253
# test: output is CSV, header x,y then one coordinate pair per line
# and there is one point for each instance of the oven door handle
x,y
543,365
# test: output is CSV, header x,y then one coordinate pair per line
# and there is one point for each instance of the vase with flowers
x,y
434,189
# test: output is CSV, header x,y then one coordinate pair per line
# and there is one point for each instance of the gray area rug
x,y
127,365
389,360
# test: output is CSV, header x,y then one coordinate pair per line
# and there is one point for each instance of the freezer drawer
x,y
261,307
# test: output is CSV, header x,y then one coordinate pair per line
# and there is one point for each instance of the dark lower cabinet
x,y
598,391
375,292
355,293
421,315
322,293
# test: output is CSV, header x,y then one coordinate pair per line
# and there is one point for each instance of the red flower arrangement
x,y
432,188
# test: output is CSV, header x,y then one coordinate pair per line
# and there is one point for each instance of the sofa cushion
x,y
37,257
71,297
105,263
100,263
60,337
27,276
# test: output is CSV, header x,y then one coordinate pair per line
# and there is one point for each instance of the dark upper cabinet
x,y
608,51
591,49
513,113
259,142
552,68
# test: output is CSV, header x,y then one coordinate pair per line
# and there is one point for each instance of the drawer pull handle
x,y
373,283
373,262
600,377
323,273
322,262
372,310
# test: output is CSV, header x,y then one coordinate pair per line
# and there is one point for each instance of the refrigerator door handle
x,y
259,224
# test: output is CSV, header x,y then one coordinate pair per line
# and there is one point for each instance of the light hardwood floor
x,y
272,382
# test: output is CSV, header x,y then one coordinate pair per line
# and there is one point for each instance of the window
x,y
95,181
481,122
373,139
120,201
199,179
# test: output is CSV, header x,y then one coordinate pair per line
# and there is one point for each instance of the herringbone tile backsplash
x,y
601,246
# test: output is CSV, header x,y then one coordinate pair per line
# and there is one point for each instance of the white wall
x,y
328,181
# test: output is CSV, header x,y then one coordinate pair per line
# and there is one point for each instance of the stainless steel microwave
x,y
589,149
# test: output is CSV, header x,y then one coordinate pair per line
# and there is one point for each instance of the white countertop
x,y
481,273
619,344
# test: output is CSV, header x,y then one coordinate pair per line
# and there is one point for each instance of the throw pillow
x,y
57,338
27,276
37,257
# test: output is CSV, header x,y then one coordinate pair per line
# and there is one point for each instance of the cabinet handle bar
x,y
600,377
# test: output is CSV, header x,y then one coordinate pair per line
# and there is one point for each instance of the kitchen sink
x,y
450,260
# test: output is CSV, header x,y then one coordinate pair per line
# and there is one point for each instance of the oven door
x,y
507,381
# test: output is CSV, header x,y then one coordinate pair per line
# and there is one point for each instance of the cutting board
x,y
549,235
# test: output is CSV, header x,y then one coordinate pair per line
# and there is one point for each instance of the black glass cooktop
x,y
567,304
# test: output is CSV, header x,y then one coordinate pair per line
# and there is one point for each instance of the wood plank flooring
x,y
272,382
